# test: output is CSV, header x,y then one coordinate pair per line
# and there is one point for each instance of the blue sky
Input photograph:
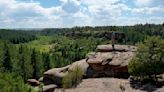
x,y
70,13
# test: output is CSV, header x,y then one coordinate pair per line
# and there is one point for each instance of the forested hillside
x,y
133,34
27,54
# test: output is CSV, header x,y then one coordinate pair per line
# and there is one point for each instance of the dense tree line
x,y
16,36
134,34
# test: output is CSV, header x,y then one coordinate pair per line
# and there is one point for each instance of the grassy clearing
x,y
42,44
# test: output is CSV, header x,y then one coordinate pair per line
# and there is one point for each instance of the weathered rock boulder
x,y
55,75
49,88
109,62
33,82
81,63
40,79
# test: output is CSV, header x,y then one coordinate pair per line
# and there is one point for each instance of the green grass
x,y
42,44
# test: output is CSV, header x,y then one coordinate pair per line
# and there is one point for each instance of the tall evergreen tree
x,y
34,62
23,66
37,63
7,64
46,61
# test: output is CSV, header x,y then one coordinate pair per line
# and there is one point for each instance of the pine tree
x,y
7,64
34,63
23,66
46,61
37,63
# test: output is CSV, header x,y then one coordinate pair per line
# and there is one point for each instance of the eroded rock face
x,y
33,82
55,75
105,62
81,63
108,62
49,88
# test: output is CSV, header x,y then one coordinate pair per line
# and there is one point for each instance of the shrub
x,y
149,58
73,78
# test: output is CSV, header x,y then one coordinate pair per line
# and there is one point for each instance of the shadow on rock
x,y
148,85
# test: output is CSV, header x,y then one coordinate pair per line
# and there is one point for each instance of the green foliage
x,y
37,63
73,78
46,61
67,50
149,59
23,66
7,64
134,34
13,83
20,60
41,87
15,36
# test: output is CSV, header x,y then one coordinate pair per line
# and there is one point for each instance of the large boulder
x,y
109,62
81,64
55,75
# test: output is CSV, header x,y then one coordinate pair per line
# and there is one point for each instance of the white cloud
x,y
79,13
150,3
147,10
143,2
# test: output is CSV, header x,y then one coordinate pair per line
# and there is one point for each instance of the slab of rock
x,y
46,88
49,88
109,62
40,79
55,75
81,63
121,58
33,82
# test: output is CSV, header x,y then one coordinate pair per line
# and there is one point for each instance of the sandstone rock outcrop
x,y
55,75
46,88
108,62
81,63
33,82
49,88
105,62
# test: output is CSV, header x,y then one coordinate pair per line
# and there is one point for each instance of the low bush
x,y
73,78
